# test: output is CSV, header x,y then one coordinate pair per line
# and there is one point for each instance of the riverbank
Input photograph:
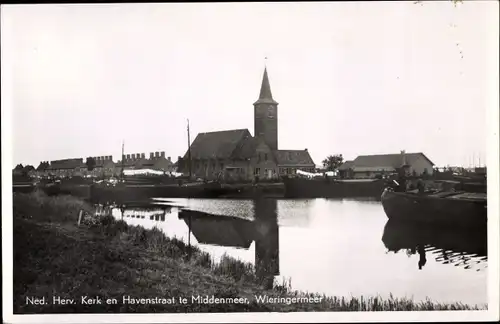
x,y
143,270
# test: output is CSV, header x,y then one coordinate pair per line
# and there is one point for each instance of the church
x,y
237,155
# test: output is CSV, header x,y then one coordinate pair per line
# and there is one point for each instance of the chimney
x,y
169,159
162,154
151,155
403,157
143,155
157,154
305,149
138,156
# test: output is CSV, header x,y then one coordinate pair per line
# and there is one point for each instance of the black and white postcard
x,y
250,162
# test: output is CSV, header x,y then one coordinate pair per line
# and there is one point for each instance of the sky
x,y
351,78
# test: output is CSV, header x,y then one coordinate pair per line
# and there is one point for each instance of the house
x,y
156,161
237,155
345,170
371,166
41,170
66,167
104,166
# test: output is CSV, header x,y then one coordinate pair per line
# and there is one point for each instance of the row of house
x,y
105,166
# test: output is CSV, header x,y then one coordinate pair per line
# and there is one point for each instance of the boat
x,y
130,192
298,187
456,208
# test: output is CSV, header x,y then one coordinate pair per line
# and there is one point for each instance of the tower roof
x,y
265,95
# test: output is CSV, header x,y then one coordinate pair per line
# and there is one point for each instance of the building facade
x,y
237,155
156,161
372,166
104,165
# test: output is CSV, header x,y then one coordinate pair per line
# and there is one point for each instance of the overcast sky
x,y
352,78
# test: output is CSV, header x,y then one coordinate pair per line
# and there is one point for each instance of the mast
x,y
123,158
189,150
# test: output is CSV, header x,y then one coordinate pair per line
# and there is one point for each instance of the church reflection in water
x,y
240,233
462,248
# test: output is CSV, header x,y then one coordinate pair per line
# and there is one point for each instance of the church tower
x,y
266,115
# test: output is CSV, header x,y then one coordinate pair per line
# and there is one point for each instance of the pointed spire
x,y
265,95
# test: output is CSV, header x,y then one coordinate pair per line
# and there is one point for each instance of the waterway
x,y
336,247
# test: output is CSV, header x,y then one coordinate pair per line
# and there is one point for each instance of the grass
x,y
111,259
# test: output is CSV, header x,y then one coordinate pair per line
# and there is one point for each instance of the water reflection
x,y
237,232
466,249
328,246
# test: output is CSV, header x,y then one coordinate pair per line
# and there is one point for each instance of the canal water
x,y
335,247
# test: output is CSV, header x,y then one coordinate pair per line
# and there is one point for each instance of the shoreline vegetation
x,y
60,267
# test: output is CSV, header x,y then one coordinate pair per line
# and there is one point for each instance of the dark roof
x,y
346,165
217,145
66,164
43,166
293,157
265,95
388,160
219,230
246,148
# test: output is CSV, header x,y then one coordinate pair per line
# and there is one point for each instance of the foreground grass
x,y
53,257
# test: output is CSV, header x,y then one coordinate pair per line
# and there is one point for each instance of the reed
x,y
108,258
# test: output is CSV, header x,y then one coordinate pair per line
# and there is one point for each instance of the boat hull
x,y
142,192
429,209
327,188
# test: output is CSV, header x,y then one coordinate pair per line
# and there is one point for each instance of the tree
x,y
332,162
90,162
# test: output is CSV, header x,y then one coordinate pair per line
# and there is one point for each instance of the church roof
x,y
293,157
246,148
265,95
217,145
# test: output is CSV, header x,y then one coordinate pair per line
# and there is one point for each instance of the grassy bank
x,y
53,257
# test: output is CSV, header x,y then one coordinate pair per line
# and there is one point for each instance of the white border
x,y
493,237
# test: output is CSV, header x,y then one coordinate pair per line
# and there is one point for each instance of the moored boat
x,y
128,192
332,188
460,209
